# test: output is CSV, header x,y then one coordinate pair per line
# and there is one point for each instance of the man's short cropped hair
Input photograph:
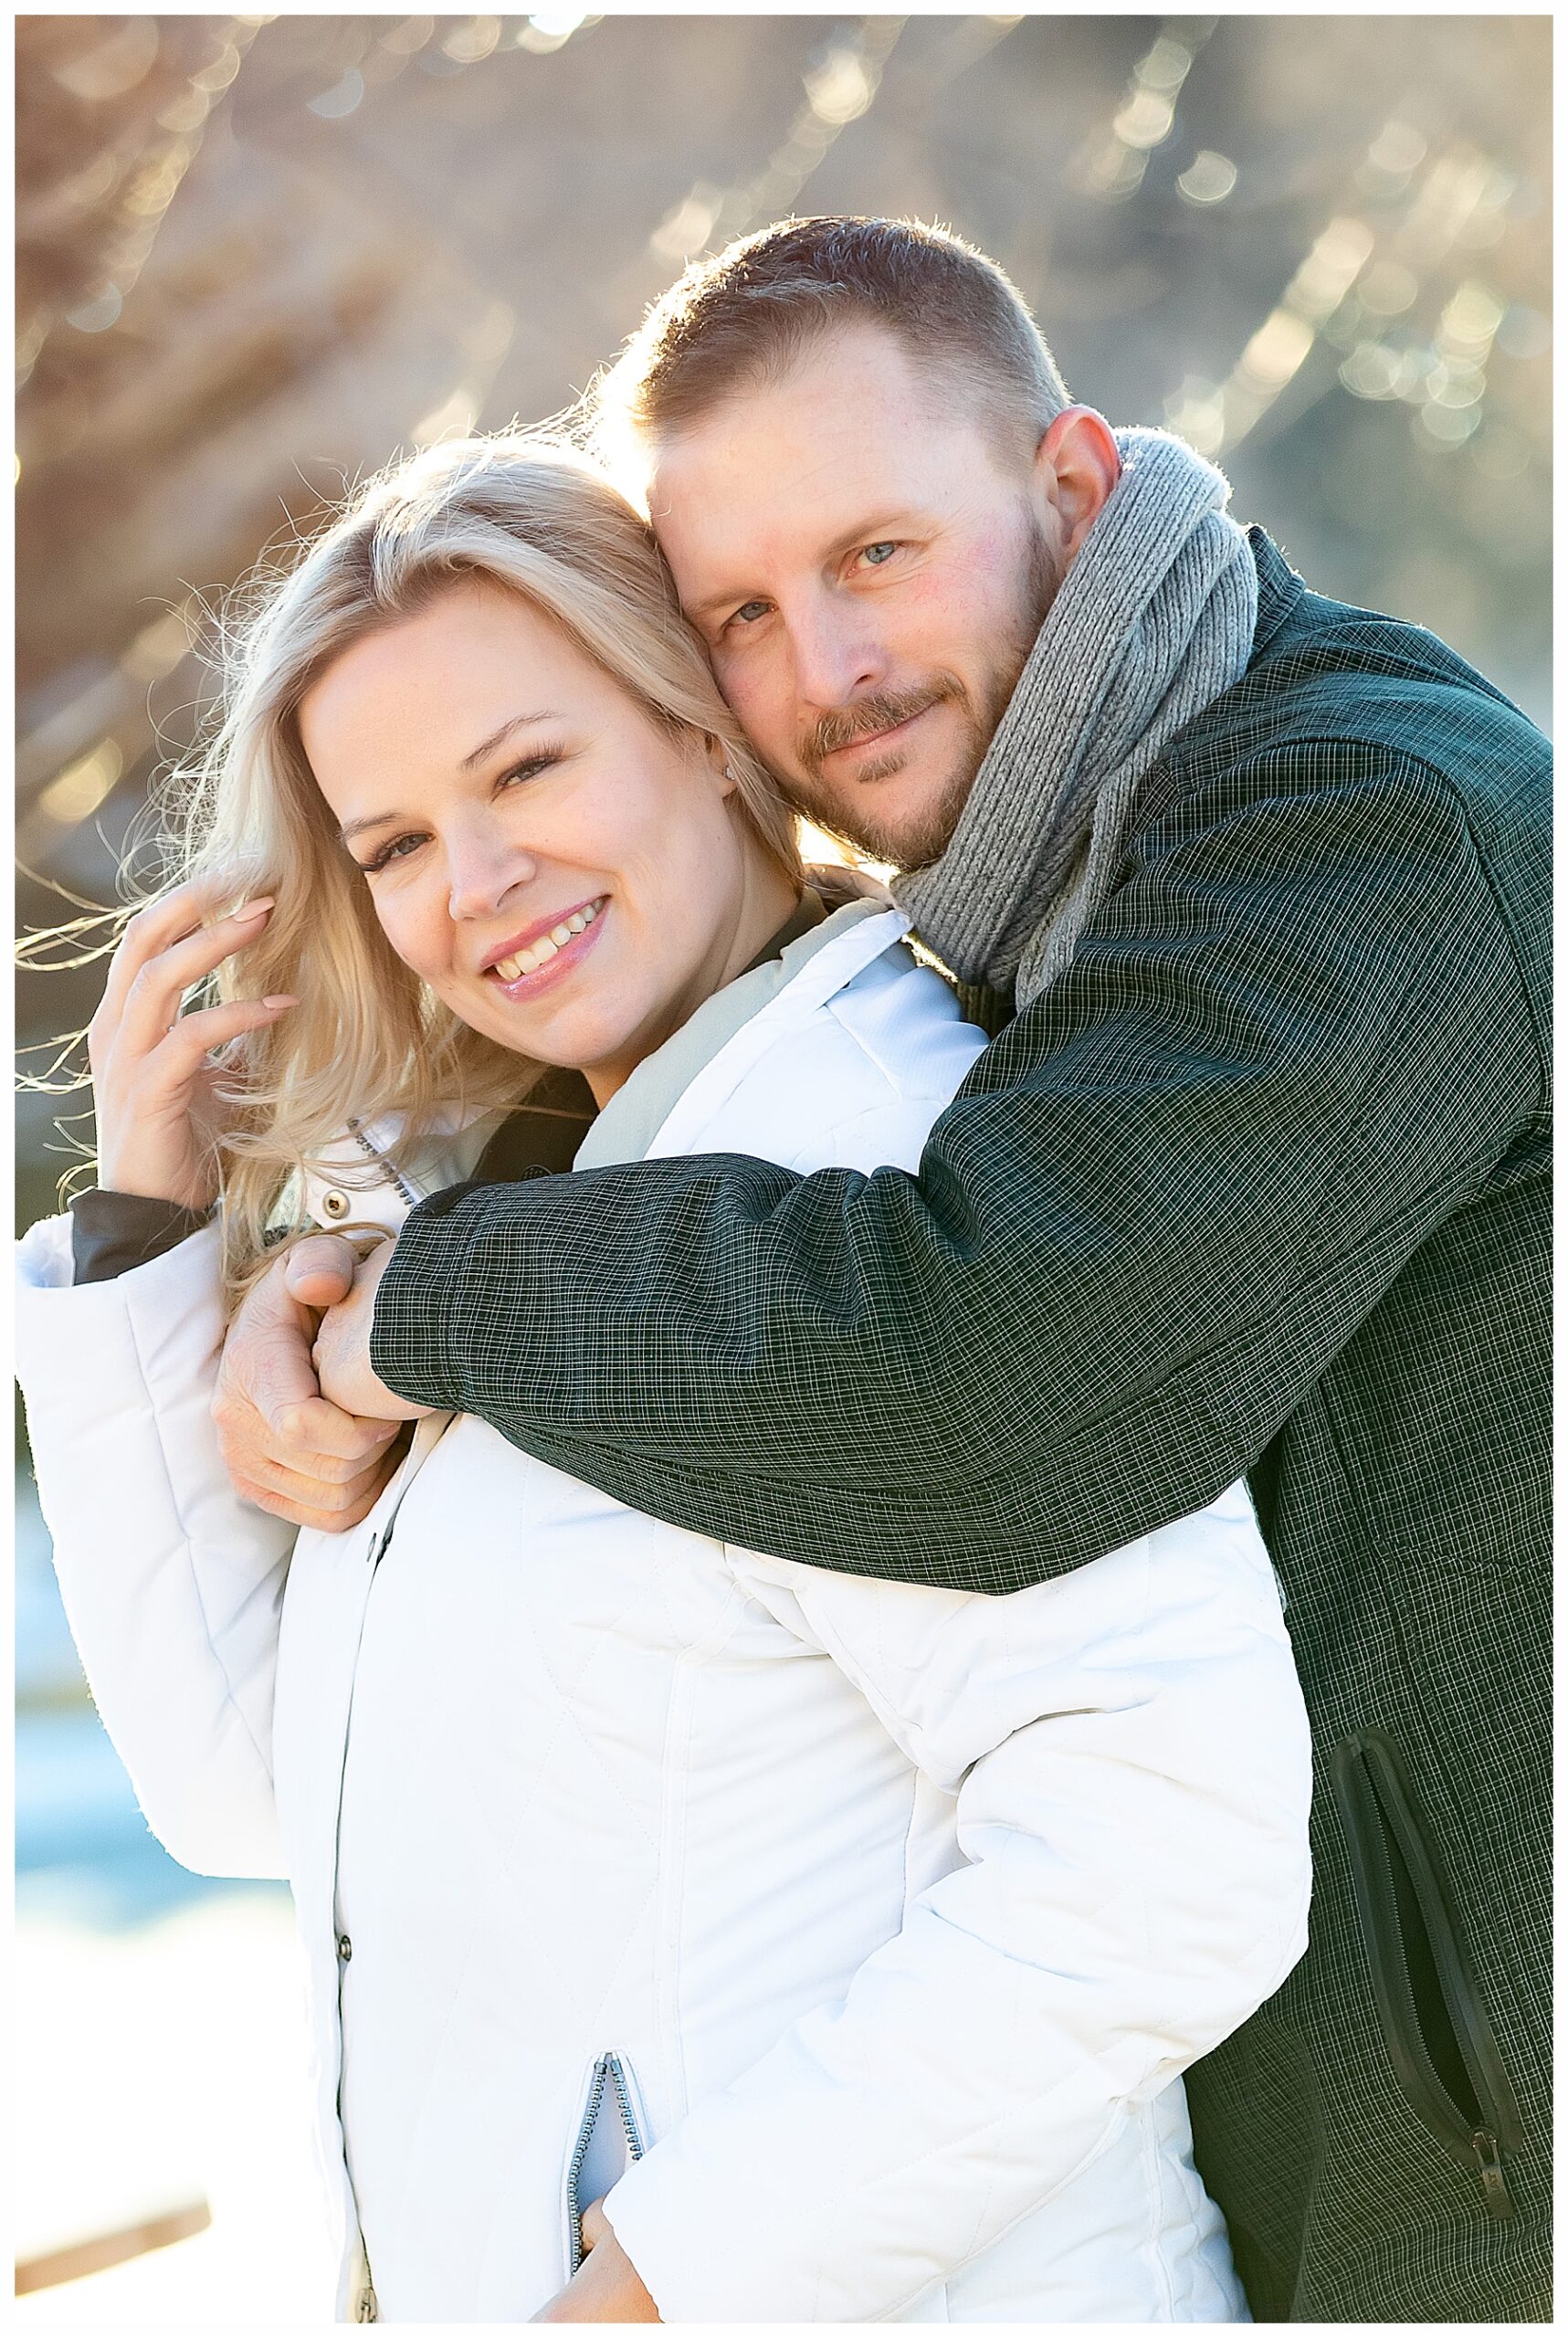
x,y
742,319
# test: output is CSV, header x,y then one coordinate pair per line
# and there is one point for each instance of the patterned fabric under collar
x,y
1154,618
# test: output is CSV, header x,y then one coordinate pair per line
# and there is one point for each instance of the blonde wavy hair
x,y
368,1037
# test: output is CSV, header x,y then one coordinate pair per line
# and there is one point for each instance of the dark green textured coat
x,y
1260,1185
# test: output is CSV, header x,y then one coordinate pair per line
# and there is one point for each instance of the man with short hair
x,y
1253,888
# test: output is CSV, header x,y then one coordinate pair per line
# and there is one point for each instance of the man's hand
x,y
286,1448
605,2287
341,1353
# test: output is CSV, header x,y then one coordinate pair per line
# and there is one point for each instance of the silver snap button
x,y
335,1204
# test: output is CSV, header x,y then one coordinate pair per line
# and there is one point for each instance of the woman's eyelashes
x,y
531,765
400,847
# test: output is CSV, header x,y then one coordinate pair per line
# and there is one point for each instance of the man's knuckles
x,y
338,1445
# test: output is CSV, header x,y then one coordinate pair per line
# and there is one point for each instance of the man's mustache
x,y
867,716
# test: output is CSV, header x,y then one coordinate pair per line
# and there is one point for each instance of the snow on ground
x,y
156,2066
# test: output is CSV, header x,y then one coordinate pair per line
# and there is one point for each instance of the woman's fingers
x,y
156,928
146,1058
190,1040
152,1000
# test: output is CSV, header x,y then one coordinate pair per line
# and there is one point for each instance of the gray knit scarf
x,y
1154,618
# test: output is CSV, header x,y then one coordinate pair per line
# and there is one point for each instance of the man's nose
x,y
837,661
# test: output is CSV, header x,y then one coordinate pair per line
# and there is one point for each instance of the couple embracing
x,y
804,1631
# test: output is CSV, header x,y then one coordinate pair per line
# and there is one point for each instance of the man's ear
x,y
1075,466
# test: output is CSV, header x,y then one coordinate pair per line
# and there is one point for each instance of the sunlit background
x,y
256,255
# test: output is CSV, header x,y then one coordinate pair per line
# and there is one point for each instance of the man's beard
x,y
915,843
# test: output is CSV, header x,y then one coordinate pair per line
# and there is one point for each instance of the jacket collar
x,y
1279,588
676,1085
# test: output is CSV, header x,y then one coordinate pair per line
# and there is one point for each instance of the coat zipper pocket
x,y
609,2072
1442,2046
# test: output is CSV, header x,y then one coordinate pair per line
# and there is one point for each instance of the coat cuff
x,y
111,1233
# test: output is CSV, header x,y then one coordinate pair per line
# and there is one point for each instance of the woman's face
x,y
569,877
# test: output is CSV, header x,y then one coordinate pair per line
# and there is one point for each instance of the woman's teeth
x,y
539,954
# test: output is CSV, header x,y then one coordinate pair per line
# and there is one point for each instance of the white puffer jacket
x,y
878,1919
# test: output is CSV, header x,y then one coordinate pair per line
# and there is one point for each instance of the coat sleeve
x,y
1294,1040
1129,1756
172,1585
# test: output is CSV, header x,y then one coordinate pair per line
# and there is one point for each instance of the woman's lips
x,y
560,958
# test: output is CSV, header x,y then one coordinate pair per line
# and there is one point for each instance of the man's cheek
x,y
761,703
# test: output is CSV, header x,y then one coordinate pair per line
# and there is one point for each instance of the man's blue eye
x,y
748,612
877,554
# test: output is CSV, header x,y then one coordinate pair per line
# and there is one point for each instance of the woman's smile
x,y
544,954
499,865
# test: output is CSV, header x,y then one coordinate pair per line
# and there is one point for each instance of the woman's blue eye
x,y
397,850
532,765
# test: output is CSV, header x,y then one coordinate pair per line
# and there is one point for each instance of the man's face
x,y
869,574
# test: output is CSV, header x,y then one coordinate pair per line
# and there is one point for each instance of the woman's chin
x,y
565,1042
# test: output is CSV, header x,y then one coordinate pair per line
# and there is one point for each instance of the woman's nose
x,y
481,874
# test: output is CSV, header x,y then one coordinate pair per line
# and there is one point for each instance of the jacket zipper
x,y
608,2070
1382,1828
392,1175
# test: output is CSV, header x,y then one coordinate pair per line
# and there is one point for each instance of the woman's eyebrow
x,y
358,828
486,745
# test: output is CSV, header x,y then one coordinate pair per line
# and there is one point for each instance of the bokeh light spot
x,y
115,66
83,785
98,314
338,102
1208,178
1524,333
1386,289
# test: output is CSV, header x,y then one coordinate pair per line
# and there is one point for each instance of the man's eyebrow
x,y
485,747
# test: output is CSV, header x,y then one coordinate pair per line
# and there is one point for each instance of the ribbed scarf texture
x,y
1153,619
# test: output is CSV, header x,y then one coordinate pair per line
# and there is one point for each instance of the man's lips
x,y
872,742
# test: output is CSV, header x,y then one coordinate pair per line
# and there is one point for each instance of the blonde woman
x,y
692,1935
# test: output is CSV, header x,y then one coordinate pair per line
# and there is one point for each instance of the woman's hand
x,y
152,1080
341,1353
605,2287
